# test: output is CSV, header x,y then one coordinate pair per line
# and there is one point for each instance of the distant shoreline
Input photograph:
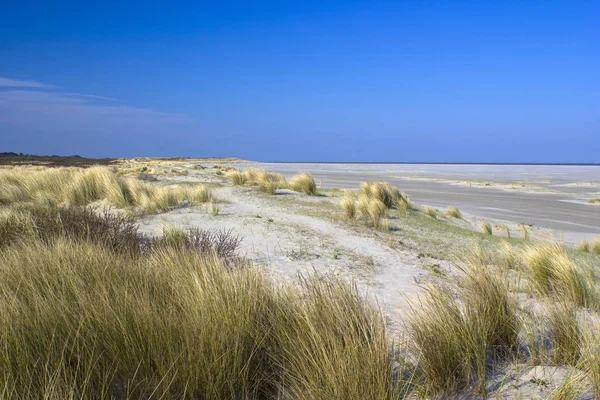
x,y
433,163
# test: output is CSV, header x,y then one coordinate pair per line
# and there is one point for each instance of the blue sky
x,y
303,81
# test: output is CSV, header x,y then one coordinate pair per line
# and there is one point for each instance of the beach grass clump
x,y
454,339
236,177
348,203
584,246
335,347
565,333
266,181
595,200
371,210
431,212
552,272
386,193
304,182
595,246
453,212
486,227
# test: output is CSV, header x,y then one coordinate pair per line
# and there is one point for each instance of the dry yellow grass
x,y
430,211
486,227
80,321
386,193
552,272
584,246
348,203
236,177
453,212
304,182
76,186
372,210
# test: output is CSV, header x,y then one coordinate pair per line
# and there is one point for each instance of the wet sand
x,y
548,196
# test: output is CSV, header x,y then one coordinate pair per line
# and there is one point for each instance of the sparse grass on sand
x,y
386,193
266,181
486,227
304,182
595,247
431,212
348,203
77,186
503,227
236,177
584,246
595,200
453,212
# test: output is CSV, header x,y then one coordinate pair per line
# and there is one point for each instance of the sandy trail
x,y
289,243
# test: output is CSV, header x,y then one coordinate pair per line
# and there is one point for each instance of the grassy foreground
x,y
85,314
91,308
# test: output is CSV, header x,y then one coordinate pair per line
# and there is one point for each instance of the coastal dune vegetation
x,y
75,186
90,307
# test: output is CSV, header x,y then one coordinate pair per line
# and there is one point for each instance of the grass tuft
x,y
595,247
348,203
552,272
584,246
304,182
431,212
236,177
453,212
372,210
486,227
454,339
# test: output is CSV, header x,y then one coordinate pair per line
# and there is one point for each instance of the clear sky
x,y
497,81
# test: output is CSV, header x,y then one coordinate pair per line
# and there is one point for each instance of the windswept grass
x,y
595,200
584,246
348,203
453,212
565,333
266,181
236,177
552,272
595,247
74,186
454,339
431,212
372,210
386,193
79,320
486,227
304,182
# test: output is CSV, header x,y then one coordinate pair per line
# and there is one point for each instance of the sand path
x,y
286,243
